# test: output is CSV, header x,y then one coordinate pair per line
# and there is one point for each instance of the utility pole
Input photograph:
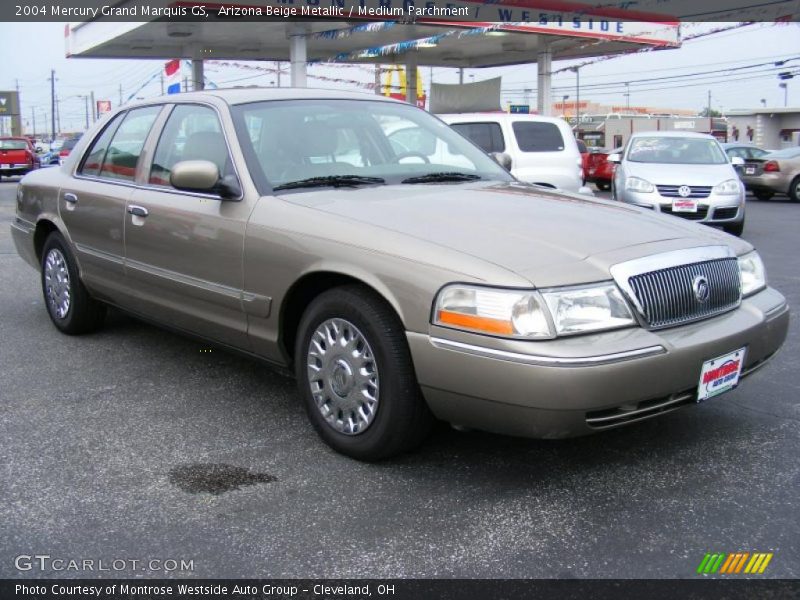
x,y
33,119
185,84
53,101
627,95
86,106
58,114
120,94
278,72
377,80
577,96
94,107
461,75
710,118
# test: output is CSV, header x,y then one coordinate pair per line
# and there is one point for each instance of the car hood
x,y
669,174
522,228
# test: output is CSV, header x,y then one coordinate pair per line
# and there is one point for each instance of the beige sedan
x,y
397,270
775,173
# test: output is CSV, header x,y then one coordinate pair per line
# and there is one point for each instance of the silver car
x,y
399,282
687,175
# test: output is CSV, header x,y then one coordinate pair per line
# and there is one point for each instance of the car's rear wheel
x,y
71,308
763,196
356,378
602,185
734,228
794,190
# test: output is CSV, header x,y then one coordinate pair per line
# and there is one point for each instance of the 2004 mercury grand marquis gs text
x,y
400,271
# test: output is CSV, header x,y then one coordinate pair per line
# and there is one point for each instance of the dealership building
x,y
772,128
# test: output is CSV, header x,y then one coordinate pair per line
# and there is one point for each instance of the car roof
x,y
673,134
244,95
484,116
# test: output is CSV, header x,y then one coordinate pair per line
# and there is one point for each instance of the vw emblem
x,y
702,291
684,191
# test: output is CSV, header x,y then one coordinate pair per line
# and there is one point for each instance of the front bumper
x,y
579,385
13,169
714,210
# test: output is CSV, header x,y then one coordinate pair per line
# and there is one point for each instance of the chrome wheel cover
x,y
57,288
343,376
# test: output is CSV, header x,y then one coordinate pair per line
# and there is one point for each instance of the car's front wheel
x,y
794,190
71,308
356,378
763,196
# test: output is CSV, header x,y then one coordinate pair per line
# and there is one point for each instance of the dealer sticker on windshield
x,y
684,206
720,375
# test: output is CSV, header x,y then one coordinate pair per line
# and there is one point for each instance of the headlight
x,y
727,188
507,313
523,313
637,184
752,273
594,308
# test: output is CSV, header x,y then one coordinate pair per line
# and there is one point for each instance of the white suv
x,y
543,150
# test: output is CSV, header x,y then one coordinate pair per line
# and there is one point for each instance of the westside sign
x,y
720,375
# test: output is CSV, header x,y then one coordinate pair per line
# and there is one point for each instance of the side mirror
x,y
502,159
203,176
614,158
737,161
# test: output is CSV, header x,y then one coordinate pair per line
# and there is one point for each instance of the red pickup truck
x,y
17,156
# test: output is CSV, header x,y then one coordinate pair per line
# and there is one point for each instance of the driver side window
x,y
192,132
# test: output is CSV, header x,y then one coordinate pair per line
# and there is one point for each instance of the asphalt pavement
x,y
134,444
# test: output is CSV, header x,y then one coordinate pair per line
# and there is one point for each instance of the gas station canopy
x,y
519,33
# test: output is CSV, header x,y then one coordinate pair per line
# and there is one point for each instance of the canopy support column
x,y
544,80
198,75
298,52
411,78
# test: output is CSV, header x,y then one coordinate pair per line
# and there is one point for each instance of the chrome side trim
x,y
98,254
546,361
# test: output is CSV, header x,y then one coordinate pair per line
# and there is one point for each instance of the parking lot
x,y
135,443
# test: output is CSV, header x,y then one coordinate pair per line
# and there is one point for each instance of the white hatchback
x,y
543,150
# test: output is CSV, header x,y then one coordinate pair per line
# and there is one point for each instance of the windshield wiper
x,y
442,176
330,181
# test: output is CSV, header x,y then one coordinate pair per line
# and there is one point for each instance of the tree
x,y
714,113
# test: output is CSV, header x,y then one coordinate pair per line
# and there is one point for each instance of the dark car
x,y
67,147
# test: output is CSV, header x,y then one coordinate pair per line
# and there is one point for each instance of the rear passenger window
x,y
126,145
538,137
487,136
96,154
192,132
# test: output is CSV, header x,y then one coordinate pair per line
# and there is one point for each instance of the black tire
x,y
734,228
84,314
603,186
402,419
763,196
613,191
794,190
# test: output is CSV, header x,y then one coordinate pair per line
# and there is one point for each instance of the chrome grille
x,y
667,296
697,191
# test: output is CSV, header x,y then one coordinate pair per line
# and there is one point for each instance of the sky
x,y
30,50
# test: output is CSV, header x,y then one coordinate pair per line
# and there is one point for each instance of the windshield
x,y
676,151
13,144
286,142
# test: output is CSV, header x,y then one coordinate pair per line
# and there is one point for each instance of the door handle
x,y
70,197
138,211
